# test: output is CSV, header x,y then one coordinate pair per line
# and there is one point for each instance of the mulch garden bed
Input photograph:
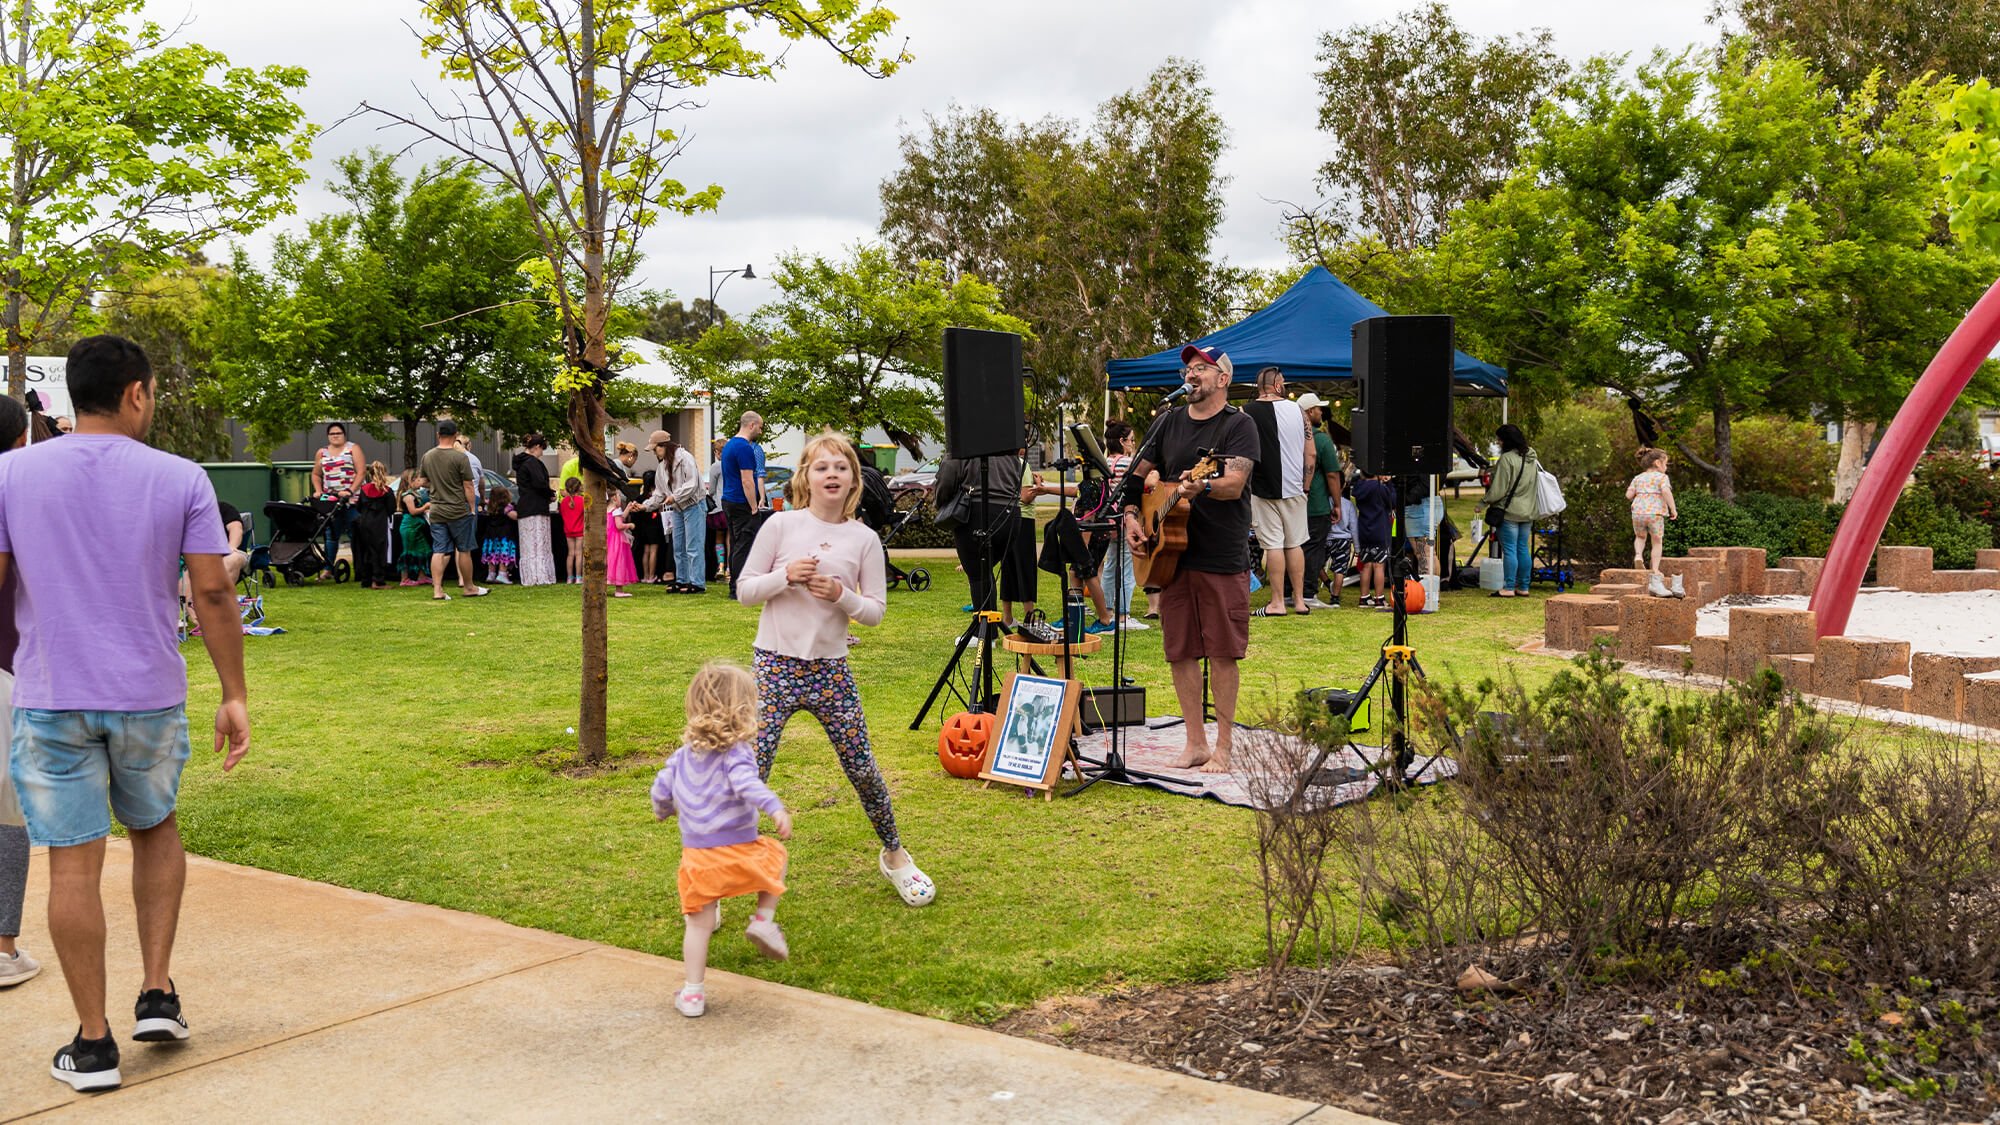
x,y
1397,1045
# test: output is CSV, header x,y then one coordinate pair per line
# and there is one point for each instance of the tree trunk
x,y
1725,458
587,418
1854,438
409,441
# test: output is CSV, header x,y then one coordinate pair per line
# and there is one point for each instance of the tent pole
x,y
1503,409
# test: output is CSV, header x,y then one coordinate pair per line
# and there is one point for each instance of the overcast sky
x,y
801,158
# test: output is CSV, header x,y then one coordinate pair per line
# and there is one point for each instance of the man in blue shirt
x,y
742,490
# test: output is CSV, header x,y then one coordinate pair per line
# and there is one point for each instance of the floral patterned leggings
x,y
824,689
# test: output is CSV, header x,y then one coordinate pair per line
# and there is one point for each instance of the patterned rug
x,y
1265,765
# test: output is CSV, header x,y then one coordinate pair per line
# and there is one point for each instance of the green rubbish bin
x,y
244,484
291,481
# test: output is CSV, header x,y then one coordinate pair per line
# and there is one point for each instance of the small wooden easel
x,y
1036,732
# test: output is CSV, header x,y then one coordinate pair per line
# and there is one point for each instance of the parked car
x,y
922,477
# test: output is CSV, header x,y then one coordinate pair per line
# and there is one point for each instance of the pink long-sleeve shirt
x,y
794,622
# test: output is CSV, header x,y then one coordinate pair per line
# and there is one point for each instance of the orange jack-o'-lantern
x,y
1413,596
962,743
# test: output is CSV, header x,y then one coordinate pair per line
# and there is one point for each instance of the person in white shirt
x,y
1278,485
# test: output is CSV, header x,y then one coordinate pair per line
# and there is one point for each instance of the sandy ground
x,y
1966,622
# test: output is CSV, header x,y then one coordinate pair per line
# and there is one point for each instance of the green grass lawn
x,y
418,750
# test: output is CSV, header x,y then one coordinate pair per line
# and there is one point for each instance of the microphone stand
x,y
1112,767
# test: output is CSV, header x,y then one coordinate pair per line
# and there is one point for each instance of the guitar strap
x,y
1135,485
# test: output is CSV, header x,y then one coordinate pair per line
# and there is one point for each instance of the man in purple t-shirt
x,y
100,690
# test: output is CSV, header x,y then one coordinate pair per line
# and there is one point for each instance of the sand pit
x,y
1966,622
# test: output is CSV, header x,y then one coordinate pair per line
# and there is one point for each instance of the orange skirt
x,y
712,874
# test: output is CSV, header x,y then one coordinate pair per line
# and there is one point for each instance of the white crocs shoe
x,y
915,886
768,938
691,1001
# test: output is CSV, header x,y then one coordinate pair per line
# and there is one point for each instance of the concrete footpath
x,y
313,1003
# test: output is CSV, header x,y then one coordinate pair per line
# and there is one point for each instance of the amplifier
x,y
1103,707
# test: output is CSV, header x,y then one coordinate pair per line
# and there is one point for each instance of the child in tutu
x,y
711,782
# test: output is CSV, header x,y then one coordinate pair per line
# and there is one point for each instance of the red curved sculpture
x,y
1882,482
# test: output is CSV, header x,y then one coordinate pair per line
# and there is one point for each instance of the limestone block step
x,y
1785,582
1645,622
1988,558
1673,658
1937,681
1892,692
1742,567
1958,581
1616,589
1711,655
1845,662
1982,699
1905,568
1624,576
1796,669
1807,566
1757,633
1566,616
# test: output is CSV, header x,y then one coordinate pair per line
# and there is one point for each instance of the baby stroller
x,y
298,534
879,512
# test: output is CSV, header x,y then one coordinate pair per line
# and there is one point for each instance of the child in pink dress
x,y
1652,497
619,571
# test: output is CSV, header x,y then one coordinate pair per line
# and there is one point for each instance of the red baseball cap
x,y
1208,355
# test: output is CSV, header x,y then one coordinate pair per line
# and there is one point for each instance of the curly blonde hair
x,y
721,707
800,489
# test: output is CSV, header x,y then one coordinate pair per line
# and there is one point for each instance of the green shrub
x,y
921,531
1774,455
1782,525
1961,482
1920,521
1573,441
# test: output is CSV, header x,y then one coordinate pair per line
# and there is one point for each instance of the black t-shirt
x,y
231,515
1218,530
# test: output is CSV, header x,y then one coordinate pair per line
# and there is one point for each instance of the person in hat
x,y
1205,608
1322,502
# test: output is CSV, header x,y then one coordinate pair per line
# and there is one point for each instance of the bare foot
x,y
1191,757
1218,762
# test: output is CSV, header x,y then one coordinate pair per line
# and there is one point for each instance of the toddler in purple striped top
x,y
711,784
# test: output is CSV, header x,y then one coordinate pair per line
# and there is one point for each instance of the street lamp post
x,y
713,287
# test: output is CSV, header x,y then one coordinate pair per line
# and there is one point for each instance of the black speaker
x,y
1402,373
984,409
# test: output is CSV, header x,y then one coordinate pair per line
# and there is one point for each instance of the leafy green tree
x,y
1100,239
408,306
575,107
674,323
1848,40
173,316
848,345
1721,241
123,151
1424,117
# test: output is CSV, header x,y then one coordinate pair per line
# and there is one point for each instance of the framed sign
x,y
1037,718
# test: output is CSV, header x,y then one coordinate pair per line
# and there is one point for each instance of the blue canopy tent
x,y
1307,333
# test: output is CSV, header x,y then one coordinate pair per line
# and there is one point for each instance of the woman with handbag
x,y
1510,509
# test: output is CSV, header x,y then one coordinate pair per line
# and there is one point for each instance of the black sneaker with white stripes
x,y
159,1015
88,1064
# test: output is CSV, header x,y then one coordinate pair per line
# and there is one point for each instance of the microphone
x,y
1179,392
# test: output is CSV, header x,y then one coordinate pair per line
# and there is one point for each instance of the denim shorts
x,y
455,535
67,764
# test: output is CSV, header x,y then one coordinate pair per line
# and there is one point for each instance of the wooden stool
x,y
1023,650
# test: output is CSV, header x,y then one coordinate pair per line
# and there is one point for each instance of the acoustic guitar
x,y
1164,517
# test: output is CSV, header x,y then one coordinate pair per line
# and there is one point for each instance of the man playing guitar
x,y
1205,607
